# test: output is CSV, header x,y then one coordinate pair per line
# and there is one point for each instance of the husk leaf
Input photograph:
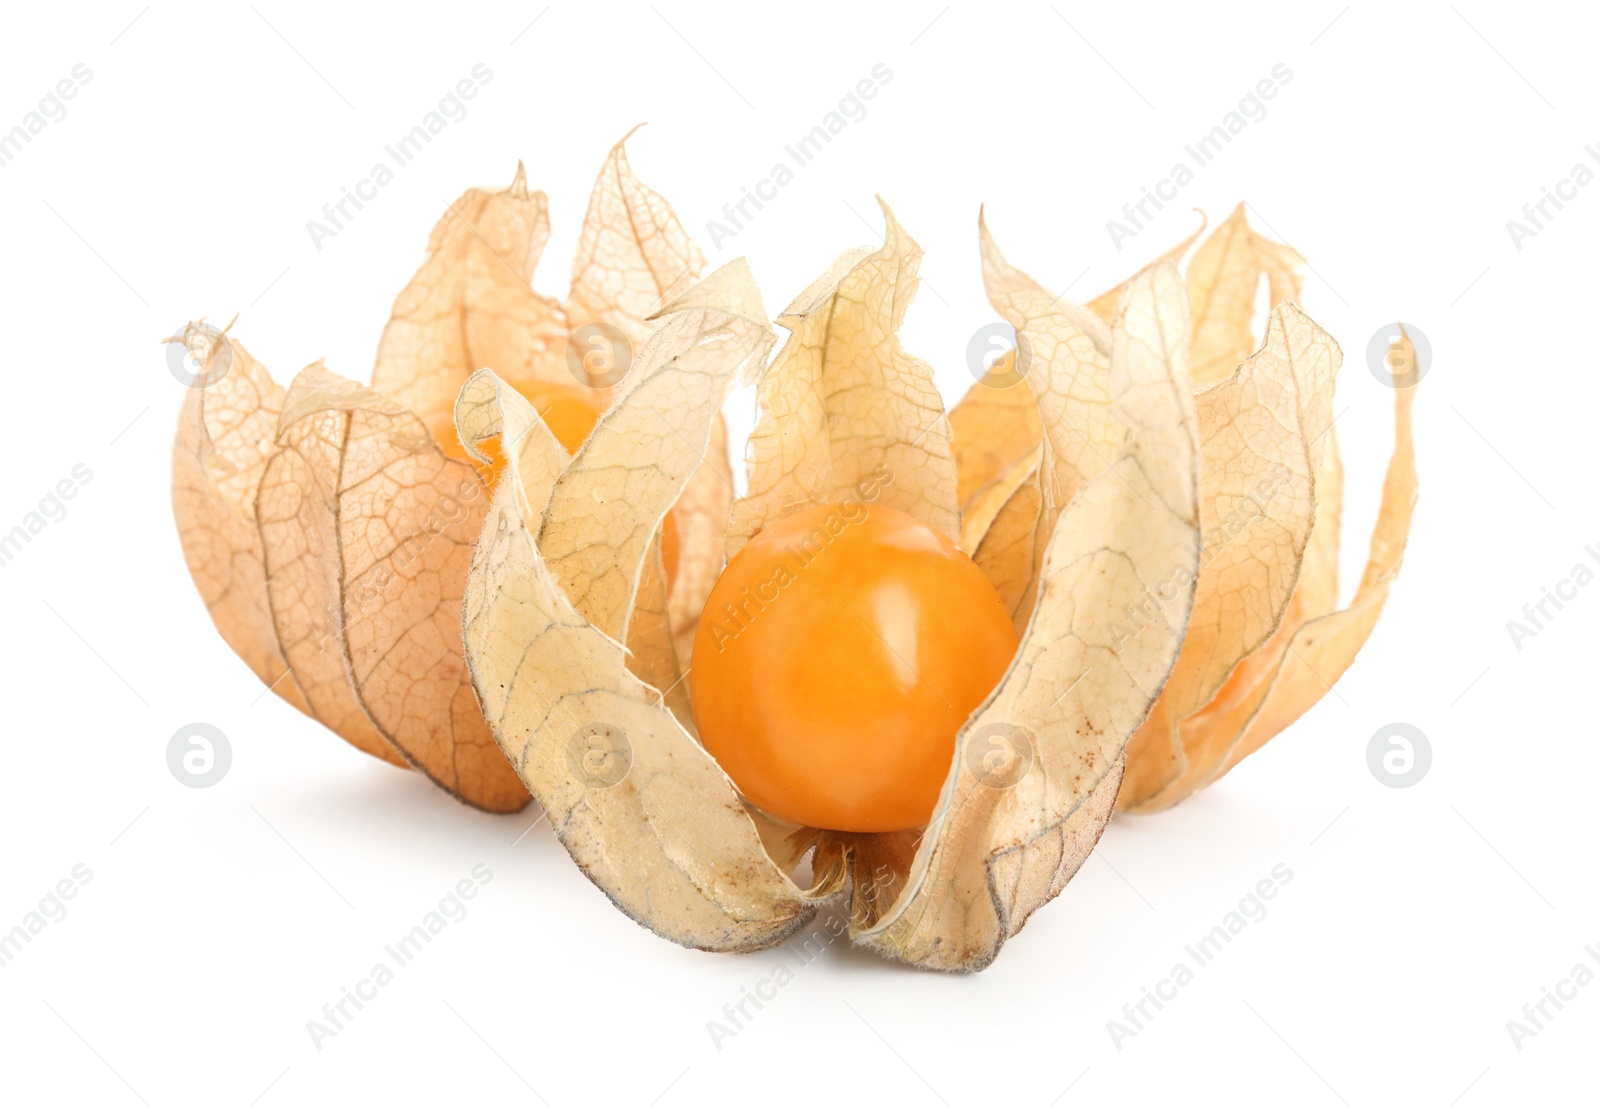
x,y
1259,500
844,409
331,546
993,855
226,431
642,809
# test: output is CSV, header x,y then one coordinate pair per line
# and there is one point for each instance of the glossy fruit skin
x,y
838,655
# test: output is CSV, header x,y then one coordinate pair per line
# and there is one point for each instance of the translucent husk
x,y
330,535
552,626
1155,499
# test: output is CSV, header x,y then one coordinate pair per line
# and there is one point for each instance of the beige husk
x,y
1153,492
563,561
1267,638
330,536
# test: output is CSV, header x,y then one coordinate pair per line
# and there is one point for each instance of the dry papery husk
x,y
330,536
564,642
1266,637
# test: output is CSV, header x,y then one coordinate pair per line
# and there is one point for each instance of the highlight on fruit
x,y
915,667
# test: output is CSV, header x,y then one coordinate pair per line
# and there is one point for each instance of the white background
x,y
219,921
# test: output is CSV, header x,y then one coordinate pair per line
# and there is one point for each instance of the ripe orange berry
x,y
670,546
570,414
838,654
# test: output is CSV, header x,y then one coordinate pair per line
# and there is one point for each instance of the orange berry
x,y
570,414
837,656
